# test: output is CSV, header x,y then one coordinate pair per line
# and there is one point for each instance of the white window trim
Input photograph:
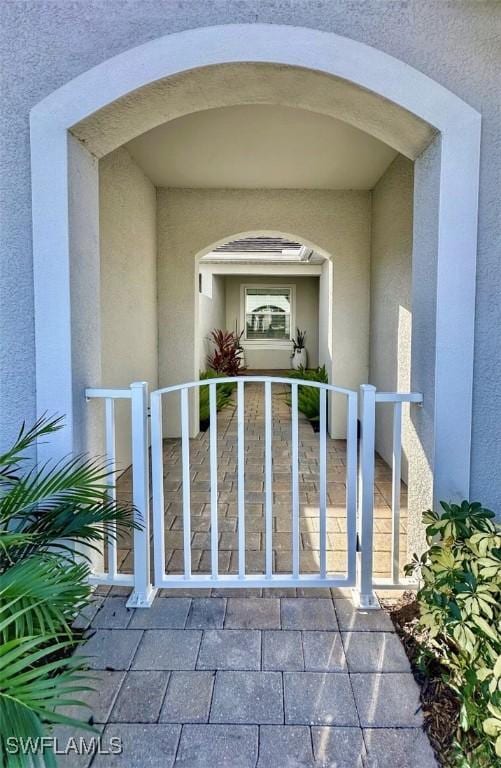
x,y
272,343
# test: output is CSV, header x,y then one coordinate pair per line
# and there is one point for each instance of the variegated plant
x,y
460,611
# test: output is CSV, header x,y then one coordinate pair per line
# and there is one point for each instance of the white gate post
x,y
365,596
143,592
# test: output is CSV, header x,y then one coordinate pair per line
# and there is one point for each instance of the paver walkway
x,y
253,678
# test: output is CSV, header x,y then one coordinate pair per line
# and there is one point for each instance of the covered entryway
x,y
107,108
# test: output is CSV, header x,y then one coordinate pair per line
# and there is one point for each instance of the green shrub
x,y
223,396
308,398
460,615
44,512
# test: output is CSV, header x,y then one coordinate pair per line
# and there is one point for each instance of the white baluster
x,y
185,453
295,481
157,479
323,483
214,533
395,490
112,493
241,477
351,485
268,478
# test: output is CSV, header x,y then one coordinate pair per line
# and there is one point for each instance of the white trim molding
x,y
394,93
270,270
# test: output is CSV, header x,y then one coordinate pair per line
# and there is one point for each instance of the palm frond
x,y
60,529
52,592
46,513
55,507
16,455
33,689
76,480
10,544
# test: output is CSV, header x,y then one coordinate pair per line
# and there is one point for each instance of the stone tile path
x,y
250,681
254,484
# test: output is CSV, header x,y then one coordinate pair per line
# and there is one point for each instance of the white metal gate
x,y
359,481
268,578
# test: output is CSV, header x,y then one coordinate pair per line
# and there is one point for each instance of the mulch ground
x,y
440,705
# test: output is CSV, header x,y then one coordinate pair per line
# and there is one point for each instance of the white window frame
x,y
271,343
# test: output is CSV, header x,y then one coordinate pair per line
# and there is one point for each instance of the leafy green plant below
x,y
44,513
223,396
460,615
308,398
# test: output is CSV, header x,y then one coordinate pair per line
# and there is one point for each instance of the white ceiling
x,y
260,146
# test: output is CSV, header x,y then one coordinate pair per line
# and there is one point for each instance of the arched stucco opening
x,y
343,292
219,303
100,110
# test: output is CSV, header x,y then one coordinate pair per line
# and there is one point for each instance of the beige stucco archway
x,y
254,63
335,224
217,306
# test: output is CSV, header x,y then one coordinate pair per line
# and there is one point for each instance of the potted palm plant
x,y
299,357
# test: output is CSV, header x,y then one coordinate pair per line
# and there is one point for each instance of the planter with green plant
x,y
45,512
459,623
308,398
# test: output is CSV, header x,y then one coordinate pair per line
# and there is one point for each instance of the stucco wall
x,y
391,286
45,44
85,281
127,209
211,312
306,314
338,223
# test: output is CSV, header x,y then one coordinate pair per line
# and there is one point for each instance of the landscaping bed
x,y
440,705
451,632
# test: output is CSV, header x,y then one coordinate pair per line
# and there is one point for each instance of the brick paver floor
x,y
259,678
252,678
